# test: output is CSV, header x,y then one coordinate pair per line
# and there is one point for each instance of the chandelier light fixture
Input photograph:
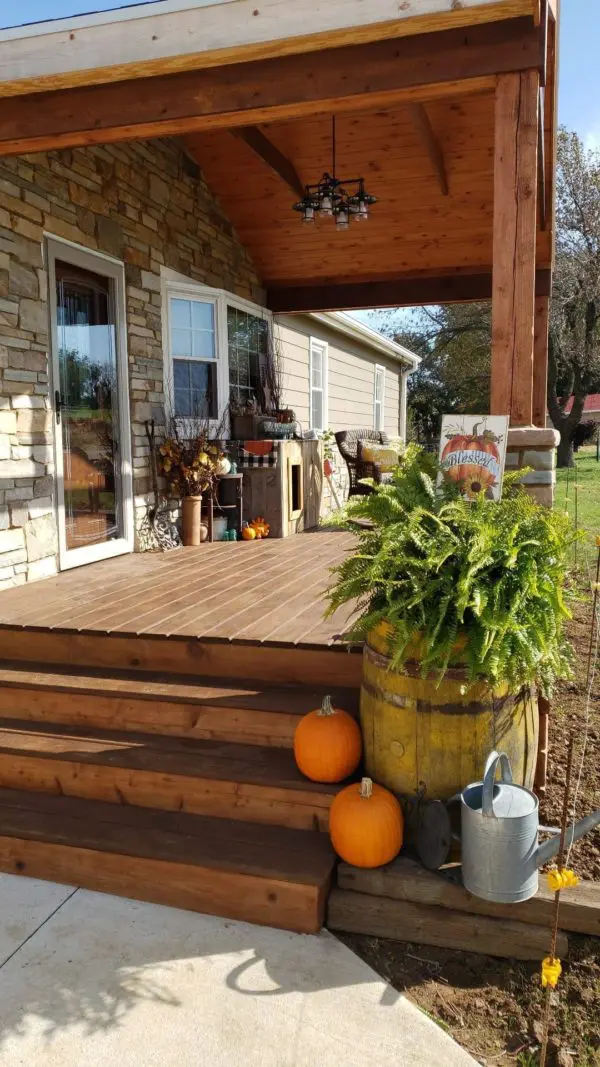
x,y
344,199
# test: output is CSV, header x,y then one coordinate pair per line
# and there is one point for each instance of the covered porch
x,y
448,112
174,140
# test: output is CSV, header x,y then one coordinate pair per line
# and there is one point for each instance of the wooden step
x,y
164,704
407,881
270,662
424,924
261,874
219,779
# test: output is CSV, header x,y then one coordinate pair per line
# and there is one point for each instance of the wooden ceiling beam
x,y
375,75
424,128
398,292
270,154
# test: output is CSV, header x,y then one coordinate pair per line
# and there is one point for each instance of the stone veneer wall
x,y
145,204
531,446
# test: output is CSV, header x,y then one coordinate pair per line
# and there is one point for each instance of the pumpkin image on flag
x,y
473,460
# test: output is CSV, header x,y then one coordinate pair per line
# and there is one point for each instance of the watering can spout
x,y
550,848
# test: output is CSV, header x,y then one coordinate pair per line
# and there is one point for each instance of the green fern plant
x,y
481,582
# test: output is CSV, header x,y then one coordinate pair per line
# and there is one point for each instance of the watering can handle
x,y
489,777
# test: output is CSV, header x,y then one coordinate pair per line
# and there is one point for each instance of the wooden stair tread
x,y
175,837
157,686
217,760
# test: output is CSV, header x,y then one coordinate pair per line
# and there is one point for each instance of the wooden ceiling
x,y
414,228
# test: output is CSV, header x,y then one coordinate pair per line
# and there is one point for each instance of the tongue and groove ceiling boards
x,y
414,100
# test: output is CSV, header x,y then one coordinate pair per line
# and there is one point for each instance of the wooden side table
x,y
238,505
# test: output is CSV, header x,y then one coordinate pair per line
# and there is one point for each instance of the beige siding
x,y
351,376
295,347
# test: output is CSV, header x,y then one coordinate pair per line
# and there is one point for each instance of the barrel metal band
x,y
411,667
426,707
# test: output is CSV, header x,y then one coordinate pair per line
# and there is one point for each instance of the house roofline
x,y
119,13
343,323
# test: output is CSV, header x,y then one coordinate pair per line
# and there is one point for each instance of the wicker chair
x,y
347,442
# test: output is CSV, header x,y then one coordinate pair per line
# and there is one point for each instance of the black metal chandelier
x,y
344,199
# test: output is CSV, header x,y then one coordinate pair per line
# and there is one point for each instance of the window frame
x,y
379,368
221,299
316,342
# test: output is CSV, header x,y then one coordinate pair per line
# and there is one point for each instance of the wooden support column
x,y
513,271
540,359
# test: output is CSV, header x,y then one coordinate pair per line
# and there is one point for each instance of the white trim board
x,y
118,13
342,323
180,35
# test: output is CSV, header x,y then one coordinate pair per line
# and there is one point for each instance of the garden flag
x,y
473,452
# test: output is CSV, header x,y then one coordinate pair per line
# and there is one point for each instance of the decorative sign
x,y
473,452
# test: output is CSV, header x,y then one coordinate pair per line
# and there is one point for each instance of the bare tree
x,y
574,349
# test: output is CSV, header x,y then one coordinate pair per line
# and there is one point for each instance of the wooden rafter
x,y
270,154
423,126
393,292
379,74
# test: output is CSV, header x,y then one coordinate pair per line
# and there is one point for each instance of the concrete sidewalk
x,y
94,980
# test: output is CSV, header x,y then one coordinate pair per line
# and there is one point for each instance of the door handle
x,y
58,406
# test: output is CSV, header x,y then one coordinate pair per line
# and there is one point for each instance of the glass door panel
x,y
87,410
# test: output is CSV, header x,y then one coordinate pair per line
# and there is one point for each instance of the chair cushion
x,y
386,458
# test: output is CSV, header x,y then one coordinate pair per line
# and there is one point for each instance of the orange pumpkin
x,y
248,533
464,460
327,744
366,825
260,527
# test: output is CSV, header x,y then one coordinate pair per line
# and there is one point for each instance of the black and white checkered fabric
x,y
247,460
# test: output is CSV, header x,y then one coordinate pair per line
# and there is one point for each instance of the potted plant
x,y
461,605
190,462
328,439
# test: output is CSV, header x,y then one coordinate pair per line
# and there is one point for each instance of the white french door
x,y
91,404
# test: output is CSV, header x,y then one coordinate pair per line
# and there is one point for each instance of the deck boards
x,y
266,591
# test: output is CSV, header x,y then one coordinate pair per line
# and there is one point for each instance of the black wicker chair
x,y
347,442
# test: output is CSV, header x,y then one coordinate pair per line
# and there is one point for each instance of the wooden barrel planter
x,y
419,733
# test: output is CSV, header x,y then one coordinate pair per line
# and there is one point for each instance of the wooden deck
x,y
250,610
260,592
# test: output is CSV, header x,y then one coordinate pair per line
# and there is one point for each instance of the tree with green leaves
x,y
574,348
455,340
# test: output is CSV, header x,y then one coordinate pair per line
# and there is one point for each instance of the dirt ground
x,y
494,1007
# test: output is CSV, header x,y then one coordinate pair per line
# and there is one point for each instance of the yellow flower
x,y
551,972
482,482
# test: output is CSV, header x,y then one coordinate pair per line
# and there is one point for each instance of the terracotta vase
x,y
192,524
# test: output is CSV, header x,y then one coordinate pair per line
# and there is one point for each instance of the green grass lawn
x,y
586,476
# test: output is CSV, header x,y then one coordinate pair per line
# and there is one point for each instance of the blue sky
x,y
579,100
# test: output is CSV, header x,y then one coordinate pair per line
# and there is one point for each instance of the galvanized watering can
x,y
499,833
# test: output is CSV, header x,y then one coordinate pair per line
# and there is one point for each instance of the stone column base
x,y
535,447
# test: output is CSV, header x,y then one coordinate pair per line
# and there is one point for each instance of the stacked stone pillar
x,y
534,447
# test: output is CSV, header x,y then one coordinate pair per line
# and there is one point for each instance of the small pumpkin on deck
x,y
327,744
366,824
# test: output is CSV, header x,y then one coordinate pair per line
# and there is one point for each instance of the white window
x,y
216,344
378,397
318,385
193,349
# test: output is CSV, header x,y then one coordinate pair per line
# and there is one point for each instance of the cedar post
x,y
514,246
540,359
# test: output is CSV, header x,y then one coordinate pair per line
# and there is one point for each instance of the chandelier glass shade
x,y
344,199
